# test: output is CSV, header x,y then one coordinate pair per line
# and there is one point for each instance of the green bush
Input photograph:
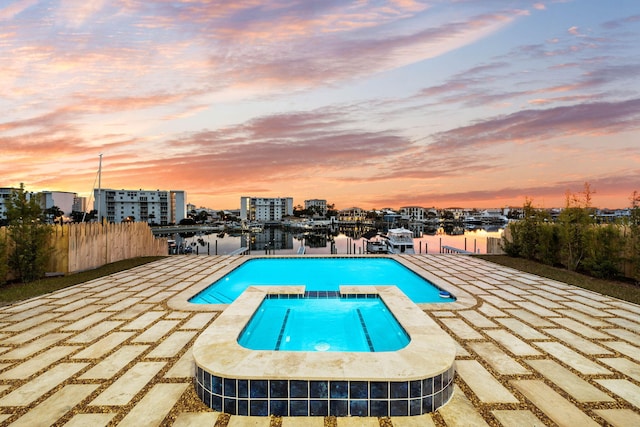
x,y
549,244
575,241
30,250
4,264
603,257
524,235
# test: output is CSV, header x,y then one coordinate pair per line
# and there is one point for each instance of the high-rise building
x,y
153,206
64,200
265,208
80,204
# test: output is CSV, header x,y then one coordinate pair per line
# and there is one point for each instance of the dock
x,y
240,251
453,250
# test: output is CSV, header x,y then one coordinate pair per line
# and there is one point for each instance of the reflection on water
x,y
281,241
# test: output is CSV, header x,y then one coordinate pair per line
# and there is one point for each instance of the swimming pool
x,y
319,275
336,323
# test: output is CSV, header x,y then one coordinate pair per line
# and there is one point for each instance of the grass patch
x,y
16,291
617,289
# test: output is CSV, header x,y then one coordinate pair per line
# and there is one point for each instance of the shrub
x,y
576,242
4,250
29,234
603,257
549,244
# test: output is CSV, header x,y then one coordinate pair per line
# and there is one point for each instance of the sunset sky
x,y
368,103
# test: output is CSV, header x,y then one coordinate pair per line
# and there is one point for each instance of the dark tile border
x,y
324,397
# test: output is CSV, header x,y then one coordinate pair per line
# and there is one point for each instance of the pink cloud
x,y
536,125
610,191
621,22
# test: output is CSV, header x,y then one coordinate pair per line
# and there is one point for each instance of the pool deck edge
x,y
430,352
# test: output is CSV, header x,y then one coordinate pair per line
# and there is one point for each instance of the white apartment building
x,y
64,200
353,214
265,208
5,193
80,204
154,206
413,213
320,206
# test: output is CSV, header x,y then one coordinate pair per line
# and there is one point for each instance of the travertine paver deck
x,y
114,351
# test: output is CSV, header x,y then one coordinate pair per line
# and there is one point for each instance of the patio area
x,y
117,351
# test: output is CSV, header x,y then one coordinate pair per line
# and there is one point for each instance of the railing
x,y
452,250
240,251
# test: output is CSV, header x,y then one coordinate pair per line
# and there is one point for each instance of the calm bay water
x,y
345,241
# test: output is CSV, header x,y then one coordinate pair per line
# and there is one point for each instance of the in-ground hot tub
x,y
327,322
413,380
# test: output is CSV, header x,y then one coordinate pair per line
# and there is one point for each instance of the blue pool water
x,y
323,324
319,274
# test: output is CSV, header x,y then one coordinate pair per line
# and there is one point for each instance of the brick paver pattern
x,y
531,351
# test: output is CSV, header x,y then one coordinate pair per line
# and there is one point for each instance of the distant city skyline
x,y
365,103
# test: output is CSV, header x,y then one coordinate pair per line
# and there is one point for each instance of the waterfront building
x,y
265,209
64,200
611,215
458,214
319,206
5,193
413,213
352,215
80,204
154,206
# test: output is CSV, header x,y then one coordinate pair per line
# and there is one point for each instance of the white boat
x,y
253,227
399,241
472,220
377,247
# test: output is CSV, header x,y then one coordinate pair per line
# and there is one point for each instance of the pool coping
x,y
464,300
430,352
414,380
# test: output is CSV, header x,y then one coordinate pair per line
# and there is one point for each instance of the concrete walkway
x,y
531,351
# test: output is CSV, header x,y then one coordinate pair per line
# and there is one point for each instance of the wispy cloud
x,y
537,125
617,23
358,100
13,9
545,196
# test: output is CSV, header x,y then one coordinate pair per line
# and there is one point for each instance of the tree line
x,y
576,241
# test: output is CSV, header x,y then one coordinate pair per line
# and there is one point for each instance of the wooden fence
x,y
494,246
84,246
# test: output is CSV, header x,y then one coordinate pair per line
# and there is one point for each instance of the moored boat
x,y
399,241
377,247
